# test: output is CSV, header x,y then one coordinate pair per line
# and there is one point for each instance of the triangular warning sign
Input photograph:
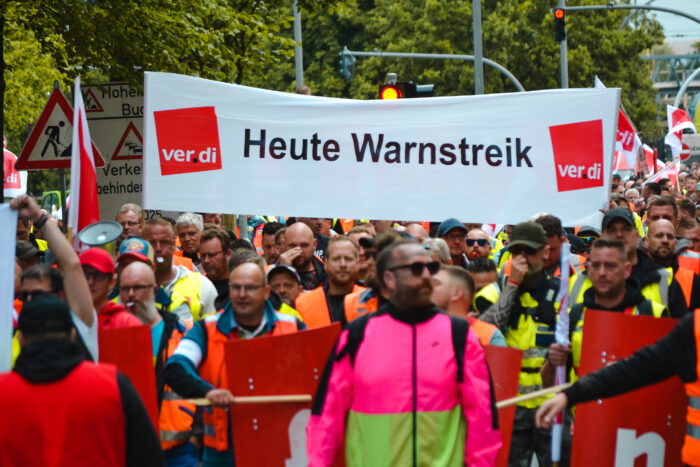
x,y
49,144
91,102
130,145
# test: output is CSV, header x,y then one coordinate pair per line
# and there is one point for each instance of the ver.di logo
x,y
188,140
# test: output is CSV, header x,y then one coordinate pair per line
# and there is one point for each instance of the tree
x,y
224,40
518,34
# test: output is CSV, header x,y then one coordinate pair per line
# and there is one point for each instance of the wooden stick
x,y
259,399
532,395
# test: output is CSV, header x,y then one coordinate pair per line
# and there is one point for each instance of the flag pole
x,y
561,336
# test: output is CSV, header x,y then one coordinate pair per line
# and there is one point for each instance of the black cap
x,y
449,224
530,234
367,242
618,213
44,314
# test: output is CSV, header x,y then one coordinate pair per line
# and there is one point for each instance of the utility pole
x,y
564,58
478,49
298,54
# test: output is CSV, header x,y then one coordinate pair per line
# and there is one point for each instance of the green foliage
x,y
518,34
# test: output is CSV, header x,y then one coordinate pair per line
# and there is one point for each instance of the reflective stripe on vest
x,y
533,338
658,291
689,260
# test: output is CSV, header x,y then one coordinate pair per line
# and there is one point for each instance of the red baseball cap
x,y
98,259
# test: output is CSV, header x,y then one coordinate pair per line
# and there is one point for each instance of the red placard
x,y
504,365
280,365
644,425
130,350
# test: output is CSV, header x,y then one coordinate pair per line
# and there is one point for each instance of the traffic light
x,y
390,91
405,90
560,24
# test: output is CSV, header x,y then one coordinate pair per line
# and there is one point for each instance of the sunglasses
x,y
96,276
417,267
480,241
519,249
28,295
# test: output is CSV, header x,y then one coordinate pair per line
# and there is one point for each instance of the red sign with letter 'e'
x,y
578,154
188,140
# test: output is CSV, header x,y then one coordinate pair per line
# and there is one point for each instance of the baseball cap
x,y
589,231
25,249
618,213
449,224
98,259
282,268
138,248
529,234
44,314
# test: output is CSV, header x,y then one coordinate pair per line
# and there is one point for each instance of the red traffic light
x,y
559,13
389,91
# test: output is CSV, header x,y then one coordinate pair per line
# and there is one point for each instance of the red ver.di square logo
x,y
188,140
578,154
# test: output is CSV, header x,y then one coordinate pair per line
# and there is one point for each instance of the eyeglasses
x,y
210,255
28,295
478,241
235,288
456,236
417,267
129,224
97,276
135,288
519,250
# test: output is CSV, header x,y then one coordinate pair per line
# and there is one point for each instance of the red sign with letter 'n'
x,y
578,154
188,140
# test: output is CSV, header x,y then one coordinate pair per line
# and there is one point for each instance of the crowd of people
x,y
407,382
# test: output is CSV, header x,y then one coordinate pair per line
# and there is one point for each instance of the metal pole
x,y
564,56
64,208
298,54
62,172
478,49
487,61
684,87
611,6
242,221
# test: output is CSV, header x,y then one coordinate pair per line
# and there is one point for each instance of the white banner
x,y
8,237
500,158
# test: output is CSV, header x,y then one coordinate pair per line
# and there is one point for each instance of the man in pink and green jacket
x,y
406,385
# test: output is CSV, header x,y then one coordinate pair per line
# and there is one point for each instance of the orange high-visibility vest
x,y
176,413
483,330
685,277
179,260
689,259
691,446
213,371
313,307
360,303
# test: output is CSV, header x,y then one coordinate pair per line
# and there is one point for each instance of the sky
x,y
677,27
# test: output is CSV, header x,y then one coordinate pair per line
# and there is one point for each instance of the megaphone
x,y
100,233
